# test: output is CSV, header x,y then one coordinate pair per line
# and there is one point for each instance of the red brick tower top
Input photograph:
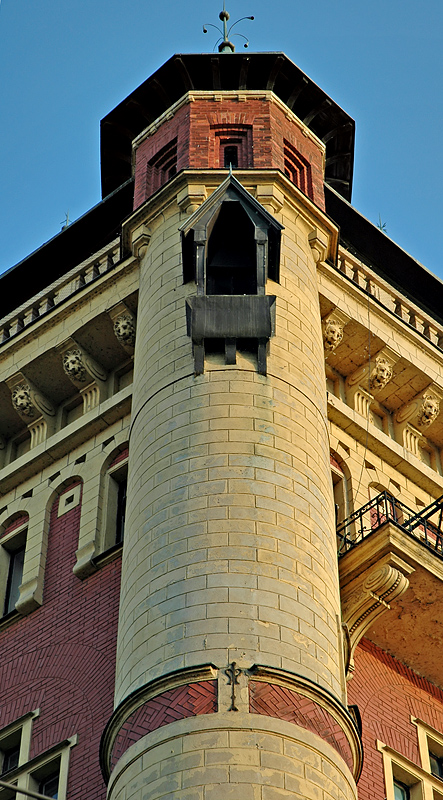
x,y
192,114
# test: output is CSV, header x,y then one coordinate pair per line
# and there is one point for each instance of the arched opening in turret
x,y
231,263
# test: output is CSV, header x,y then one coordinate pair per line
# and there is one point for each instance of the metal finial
x,y
225,45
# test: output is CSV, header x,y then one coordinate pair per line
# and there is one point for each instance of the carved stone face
x,y
124,329
73,365
332,334
21,400
381,375
429,410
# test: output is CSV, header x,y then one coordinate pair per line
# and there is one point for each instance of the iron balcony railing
x,y
426,526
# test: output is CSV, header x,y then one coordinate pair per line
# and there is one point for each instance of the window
x,y
162,167
10,751
436,764
46,779
115,482
401,792
15,574
231,267
121,510
230,156
12,559
297,168
46,773
234,143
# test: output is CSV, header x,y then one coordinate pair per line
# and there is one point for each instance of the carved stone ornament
x,y
429,411
332,333
381,374
367,597
22,401
73,365
124,329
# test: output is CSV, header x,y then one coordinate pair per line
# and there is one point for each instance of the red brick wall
x,y
388,694
61,658
198,145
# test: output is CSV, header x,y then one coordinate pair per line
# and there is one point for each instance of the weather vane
x,y
225,45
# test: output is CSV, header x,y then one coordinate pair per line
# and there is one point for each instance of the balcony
x,y
425,526
391,580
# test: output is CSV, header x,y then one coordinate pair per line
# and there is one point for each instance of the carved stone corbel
x,y
32,407
368,379
124,326
367,597
319,245
332,327
84,372
140,240
413,419
191,197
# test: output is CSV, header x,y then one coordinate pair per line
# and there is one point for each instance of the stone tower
x,y
230,678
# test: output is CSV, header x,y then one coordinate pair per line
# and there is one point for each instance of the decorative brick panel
x,y
388,694
16,523
283,703
183,701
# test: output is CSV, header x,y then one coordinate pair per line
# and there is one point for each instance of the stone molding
x,y
206,672
367,596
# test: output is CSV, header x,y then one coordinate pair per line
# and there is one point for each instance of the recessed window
x,y
15,575
401,791
297,168
49,785
230,153
10,751
162,167
436,765
121,510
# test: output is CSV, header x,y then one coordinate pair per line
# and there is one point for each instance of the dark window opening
x,y
231,264
10,758
163,166
436,765
49,786
231,156
121,512
15,574
401,791
297,168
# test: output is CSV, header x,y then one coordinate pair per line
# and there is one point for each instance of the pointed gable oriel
x,y
231,246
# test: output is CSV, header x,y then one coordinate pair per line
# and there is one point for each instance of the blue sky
x,y
63,66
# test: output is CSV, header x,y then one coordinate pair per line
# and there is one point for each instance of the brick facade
x,y
388,693
65,650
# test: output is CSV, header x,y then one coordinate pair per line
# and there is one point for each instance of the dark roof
x,y
228,71
70,247
385,257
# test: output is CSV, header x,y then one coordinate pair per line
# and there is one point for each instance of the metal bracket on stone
x,y
230,317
